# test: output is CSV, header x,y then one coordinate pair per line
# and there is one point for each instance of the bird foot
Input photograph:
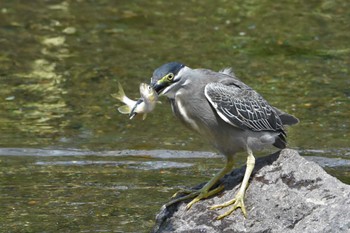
x,y
204,194
235,203
196,194
182,192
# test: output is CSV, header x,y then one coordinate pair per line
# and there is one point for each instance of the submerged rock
x,y
287,193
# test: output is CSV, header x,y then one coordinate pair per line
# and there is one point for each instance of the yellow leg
x,y
238,201
204,192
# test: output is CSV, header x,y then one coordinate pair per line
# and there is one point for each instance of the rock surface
x,y
286,194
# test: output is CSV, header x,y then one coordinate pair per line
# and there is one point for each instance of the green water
x,y
60,62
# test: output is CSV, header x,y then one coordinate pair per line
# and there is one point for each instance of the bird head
x,y
166,77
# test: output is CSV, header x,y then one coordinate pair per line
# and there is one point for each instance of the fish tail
x,y
120,95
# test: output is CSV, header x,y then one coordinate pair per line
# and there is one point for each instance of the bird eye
x,y
170,76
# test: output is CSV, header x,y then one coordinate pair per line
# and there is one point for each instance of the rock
x,y
287,193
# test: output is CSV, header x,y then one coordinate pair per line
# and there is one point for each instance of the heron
x,y
232,116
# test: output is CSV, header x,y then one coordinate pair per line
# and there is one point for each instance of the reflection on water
x,y
56,86
59,64
33,89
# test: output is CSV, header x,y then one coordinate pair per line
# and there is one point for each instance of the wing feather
x,y
242,107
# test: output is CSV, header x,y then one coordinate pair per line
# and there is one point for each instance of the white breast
x,y
184,114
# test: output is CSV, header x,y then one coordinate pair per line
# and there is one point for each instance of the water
x,y
76,164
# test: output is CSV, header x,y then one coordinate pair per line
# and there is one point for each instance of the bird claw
x,y
235,203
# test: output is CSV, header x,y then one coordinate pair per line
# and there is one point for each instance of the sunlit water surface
x,y
70,162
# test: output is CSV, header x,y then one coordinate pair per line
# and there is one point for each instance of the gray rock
x,y
287,193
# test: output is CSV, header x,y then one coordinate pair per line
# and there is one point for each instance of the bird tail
x,y
286,118
281,141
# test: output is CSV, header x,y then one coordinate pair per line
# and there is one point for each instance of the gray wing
x,y
242,107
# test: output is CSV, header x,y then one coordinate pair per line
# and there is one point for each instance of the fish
x,y
145,104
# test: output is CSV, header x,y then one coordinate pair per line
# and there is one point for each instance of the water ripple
x,y
149,165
